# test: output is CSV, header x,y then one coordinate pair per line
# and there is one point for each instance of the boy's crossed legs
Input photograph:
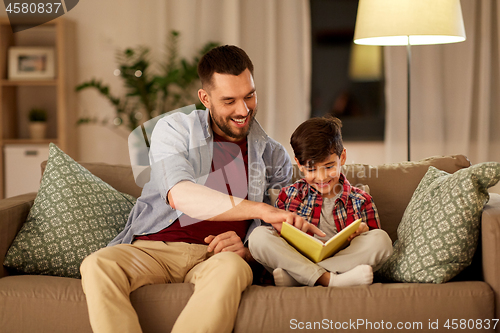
x,y
354,265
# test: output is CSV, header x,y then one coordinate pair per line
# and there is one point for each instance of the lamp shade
x,y
413,22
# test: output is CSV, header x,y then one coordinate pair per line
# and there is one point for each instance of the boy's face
x,y
324,176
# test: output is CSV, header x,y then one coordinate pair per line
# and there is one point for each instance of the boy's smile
x,y
324,176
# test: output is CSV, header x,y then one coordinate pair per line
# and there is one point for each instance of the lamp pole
x,y
408,65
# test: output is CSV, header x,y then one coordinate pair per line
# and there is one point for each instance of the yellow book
x,y
312,247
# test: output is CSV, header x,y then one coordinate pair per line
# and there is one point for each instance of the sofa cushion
x,y
74,214
361,308
439,232
57,305
34,303
120,177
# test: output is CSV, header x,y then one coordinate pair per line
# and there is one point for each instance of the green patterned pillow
x,y
74,214
439,232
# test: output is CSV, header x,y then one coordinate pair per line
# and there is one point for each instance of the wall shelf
x,y
29,141
17,97
29,82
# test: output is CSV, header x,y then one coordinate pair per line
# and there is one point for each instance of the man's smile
x,y
240,122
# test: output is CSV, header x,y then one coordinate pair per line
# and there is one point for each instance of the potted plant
x,y
37,123
151,89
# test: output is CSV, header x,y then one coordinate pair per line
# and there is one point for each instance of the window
x,y
337,88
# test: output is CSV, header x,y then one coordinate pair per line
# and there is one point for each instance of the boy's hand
x,y
362,228
276,217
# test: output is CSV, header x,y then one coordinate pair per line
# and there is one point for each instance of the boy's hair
x,y
226,59
316,139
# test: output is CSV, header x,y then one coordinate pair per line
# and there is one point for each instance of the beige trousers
x,y
111,274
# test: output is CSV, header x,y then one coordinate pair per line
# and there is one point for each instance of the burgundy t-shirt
x,y
229,158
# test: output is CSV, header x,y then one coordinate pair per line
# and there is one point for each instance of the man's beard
x,y
223,124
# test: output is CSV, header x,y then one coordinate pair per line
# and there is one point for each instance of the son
x,y
325,198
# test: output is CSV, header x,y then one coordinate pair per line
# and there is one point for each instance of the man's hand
x,y
228,241
276,217
362,228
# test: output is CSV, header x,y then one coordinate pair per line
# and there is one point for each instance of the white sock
x,y
283,279
359,275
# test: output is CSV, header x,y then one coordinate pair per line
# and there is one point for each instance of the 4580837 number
x,y
33,8
471,324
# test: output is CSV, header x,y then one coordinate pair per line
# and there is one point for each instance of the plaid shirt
x,y
306,201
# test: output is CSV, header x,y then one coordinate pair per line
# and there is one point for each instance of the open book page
x,y
349,230
314,248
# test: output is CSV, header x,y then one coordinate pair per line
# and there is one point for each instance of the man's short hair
x,y
316,139
227,59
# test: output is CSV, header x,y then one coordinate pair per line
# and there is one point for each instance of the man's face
x,y
324,176
232,101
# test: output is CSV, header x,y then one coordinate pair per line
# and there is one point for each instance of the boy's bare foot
x,y
359,275
283,279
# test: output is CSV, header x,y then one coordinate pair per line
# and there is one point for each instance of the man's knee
x,y
90,262
233,266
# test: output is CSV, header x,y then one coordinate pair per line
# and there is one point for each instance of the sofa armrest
x,y
13,213
490,236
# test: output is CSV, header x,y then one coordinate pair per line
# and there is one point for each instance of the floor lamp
x,y
409,22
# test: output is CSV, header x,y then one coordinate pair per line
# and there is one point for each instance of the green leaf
x,y
163,86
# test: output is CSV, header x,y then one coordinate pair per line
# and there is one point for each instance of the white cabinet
x,y
22,167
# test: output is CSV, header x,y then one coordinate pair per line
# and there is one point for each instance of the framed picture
x,y
31,63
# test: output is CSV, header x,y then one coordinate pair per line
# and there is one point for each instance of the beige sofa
x,y
55,304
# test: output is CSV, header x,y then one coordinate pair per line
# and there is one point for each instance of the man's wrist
x,y
259,209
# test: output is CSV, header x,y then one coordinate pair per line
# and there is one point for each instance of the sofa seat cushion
x,y
54,304
32,303
38,303
282,309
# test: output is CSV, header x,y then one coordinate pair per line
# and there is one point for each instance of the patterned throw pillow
x,y
439,232
74,214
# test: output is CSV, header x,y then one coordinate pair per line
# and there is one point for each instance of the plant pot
x,y
37,130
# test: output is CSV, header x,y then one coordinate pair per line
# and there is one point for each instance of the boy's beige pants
x,y
111,274
372,248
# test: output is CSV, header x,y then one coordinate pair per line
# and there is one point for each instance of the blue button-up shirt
x,y
181,149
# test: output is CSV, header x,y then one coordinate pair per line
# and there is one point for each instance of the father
x,y
188,224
